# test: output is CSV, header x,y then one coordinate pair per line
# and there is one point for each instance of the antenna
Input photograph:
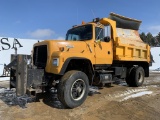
x,y
77,15
93,13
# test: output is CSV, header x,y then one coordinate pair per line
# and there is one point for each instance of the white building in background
x,y
155,51
7,45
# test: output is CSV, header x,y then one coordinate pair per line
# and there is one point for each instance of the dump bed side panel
x,y
129,47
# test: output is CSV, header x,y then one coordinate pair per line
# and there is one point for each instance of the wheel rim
x,y
140,77
78,89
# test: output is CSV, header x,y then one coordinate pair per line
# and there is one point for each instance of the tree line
x,y
150,39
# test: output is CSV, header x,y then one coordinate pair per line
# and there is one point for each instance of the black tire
x,y
73,89
128,77
137,77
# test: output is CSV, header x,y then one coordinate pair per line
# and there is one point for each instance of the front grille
x,y
40,56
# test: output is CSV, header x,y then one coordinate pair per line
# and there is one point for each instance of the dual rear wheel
x,y
135,76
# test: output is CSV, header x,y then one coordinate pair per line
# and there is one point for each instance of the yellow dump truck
x,y
94,53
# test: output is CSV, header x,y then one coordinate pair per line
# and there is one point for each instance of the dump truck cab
x,y
83,42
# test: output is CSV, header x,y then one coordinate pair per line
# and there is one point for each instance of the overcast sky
x,y
50,19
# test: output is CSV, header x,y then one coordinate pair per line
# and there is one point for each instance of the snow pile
x,y
155,51
129,94
139,94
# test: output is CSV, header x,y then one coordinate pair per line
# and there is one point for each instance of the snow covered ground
x,y
155,51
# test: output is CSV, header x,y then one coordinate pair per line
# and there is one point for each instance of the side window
x,y
99,33
107,31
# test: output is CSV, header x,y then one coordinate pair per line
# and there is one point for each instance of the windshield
x,y
80,33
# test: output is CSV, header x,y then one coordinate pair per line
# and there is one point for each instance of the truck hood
x,y
67,46
72,46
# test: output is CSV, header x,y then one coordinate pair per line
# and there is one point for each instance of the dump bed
x,y
128,45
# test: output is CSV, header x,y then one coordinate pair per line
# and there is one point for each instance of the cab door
x,y
103,46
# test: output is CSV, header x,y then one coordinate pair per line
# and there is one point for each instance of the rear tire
x,y
128,77
136,77
73,89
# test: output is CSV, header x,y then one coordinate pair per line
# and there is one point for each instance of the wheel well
x,y
83,65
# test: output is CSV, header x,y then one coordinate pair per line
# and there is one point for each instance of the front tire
x,y
73,89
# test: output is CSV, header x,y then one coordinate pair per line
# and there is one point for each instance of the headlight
x,y
55,62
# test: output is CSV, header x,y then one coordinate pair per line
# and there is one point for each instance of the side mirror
x,y
107,39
